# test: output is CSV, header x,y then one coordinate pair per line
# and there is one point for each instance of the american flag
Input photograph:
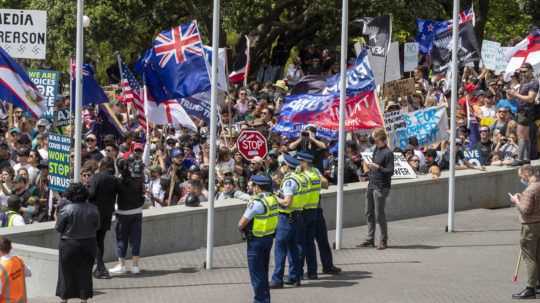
x,y
132,92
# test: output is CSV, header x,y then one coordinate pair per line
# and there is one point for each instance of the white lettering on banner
x,y
402,169
473,156
429,126
23,33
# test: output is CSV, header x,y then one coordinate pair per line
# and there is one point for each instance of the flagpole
x,y
342,134
213,131
452,176
78,93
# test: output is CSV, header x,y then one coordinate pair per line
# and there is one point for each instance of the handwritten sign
x,y
398,88
428,125
393,121
410,56
402,169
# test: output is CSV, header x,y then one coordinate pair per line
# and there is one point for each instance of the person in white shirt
x,y
22,162
155,192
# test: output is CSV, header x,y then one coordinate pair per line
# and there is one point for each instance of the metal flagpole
x,y
342,134
213,131
452,177
78,92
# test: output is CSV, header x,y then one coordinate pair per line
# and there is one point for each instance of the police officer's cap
x,y
291,161
304,157
261,180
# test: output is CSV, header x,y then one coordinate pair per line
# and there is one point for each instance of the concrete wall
x,y
179,228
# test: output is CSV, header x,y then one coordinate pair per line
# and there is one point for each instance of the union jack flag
x,y
177,42
464,17
132,92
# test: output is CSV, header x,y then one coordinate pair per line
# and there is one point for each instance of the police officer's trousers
x,y
286,245
258,255
321,236
308,253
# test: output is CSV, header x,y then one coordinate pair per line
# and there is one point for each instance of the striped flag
x,y
132,91
17,88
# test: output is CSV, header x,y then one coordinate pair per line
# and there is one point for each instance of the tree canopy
x,y
128,26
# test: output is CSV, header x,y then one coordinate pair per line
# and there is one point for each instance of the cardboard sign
x,y
402,169
59,164
393,121
493,56
23,33
410,56
399,88
47,81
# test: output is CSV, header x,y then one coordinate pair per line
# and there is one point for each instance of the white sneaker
x,y
118,270
135,270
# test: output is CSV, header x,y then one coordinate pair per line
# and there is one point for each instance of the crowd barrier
x,y
181,228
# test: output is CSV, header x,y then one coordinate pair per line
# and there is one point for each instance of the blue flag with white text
x,y
359,77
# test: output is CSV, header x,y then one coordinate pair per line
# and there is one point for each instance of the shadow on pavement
x,y
374,263
344,279
175,286
485,230
421,246
156,273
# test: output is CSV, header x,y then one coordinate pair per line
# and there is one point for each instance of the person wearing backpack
x,y
12,215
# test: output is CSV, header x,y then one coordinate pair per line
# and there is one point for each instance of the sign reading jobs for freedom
x,y
402,169
47,81
23,33
429,126
59,167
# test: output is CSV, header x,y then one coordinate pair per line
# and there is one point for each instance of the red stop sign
x,y
251,143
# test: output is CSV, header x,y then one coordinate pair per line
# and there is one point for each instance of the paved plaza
x,y
422,264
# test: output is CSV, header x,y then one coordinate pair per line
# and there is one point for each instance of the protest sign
x,y
59,165
47,81
23,33
61,118
399,88
391,62
359,77
473,157
410,56
493,56
251,144
393,121
428,125
402,169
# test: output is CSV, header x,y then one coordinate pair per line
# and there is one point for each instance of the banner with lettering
x,y
428,125
59,164
322,111
393,121
402,169
48,82
360,77
23,33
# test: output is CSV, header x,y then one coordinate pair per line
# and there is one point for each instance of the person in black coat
x,y
77,224
103,190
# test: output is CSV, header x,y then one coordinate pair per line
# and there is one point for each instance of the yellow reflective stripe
x,y
6,291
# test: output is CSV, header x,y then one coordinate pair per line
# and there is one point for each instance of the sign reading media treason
x,y
23,33
47,81
59,166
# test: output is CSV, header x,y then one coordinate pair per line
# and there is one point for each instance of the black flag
x,y
379,31
468,48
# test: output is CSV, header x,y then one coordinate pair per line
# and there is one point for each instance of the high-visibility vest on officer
x,y
259,224
314,223
12,275
290,219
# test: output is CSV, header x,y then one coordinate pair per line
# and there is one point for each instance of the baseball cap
x,y
138,146
177,152
42,122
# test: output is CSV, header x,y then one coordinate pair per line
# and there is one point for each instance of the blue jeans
x,y
308,253
321,236
128,230
286,244
258,255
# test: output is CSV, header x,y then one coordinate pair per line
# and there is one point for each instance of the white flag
x,y
168,113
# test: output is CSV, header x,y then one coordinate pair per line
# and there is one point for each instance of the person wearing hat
x,y
259,225
485,146
526,130
314,222
293,188
92,152
229,191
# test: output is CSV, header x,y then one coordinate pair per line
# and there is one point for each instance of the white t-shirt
x,y
154,186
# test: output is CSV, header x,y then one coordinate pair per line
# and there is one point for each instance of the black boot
x,y
527,293
367,243
332,270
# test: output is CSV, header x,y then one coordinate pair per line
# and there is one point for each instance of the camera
x,y
305,133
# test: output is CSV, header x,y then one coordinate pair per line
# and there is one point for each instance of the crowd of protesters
x,y
504,113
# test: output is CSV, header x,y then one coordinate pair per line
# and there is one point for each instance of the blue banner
x,y
59,164
429,126
359,77
198,106
427,30
48,82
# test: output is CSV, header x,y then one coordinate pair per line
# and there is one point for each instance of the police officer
x,y
314,223
259,224
290,219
